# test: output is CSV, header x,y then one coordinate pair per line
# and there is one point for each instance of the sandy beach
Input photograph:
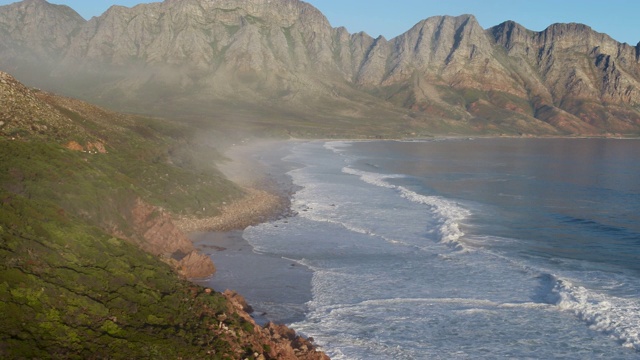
x,y
267,189
259,169
256,206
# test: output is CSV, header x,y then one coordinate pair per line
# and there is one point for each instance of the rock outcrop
x,y
443,73
156,233
195,265
281,342
156,230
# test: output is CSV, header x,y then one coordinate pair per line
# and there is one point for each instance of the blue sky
x,y
618,18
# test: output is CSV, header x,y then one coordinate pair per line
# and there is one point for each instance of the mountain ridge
x,y
445,74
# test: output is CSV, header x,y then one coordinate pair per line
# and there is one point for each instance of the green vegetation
x,y
68,288
99,187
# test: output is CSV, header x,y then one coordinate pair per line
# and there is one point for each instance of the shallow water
x,y
488,248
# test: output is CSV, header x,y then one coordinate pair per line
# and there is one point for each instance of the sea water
x,y
465,249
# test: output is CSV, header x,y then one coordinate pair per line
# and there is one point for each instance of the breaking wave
x,y
448,213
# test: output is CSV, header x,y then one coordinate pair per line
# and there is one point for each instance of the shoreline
x,y
268,190
257,167
267,187
241,267
257,206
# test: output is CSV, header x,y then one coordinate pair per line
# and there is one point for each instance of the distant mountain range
x,y
280,63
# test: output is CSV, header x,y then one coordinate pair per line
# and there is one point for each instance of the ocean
x,y
453,249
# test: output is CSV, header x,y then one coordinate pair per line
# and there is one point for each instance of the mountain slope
x,y
88,253
34,37
259,64
584,73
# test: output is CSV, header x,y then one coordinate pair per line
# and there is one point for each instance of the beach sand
x,y
278,289
257,168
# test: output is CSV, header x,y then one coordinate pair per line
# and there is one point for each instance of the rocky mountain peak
x,y
576,36
34,35
40,21
509,34
35,2
195,32
566,78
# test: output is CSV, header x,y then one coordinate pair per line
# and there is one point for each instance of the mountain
x,y
278,66
35,35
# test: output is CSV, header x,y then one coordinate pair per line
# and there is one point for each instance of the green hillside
x,y
71,289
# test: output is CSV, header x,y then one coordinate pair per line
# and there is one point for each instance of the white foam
x,y
322,212
448,213
380,316
618,317
471,303
452,291
373,178
337,146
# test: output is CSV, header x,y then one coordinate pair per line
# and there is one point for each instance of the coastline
x,y
259,170
257,167
255,207
268,190
242,267
335,264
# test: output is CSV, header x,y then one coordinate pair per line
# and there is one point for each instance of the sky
x,y
390,18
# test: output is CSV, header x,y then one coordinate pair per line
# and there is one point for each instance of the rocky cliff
x,y
155,233
586,74
281,59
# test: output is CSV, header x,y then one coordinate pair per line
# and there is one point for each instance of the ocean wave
x,y
448,213
612,315
373,178
469,303
315,216
369,319
337,146
615,316
599,227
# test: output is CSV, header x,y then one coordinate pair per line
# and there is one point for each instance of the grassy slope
x,y
70,290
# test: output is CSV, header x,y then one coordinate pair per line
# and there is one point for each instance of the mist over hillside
x,y
93,258
279,67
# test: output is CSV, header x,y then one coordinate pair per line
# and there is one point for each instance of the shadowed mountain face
x,y
265,62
